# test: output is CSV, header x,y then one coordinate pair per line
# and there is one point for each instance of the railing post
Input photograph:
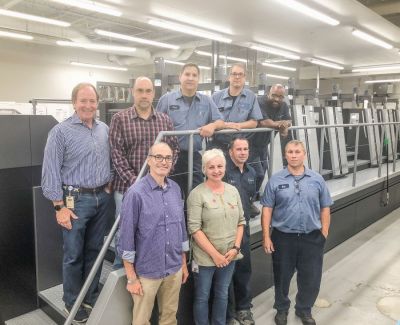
x,y
271,151
381,153
356,155
190,163
321,149
395,148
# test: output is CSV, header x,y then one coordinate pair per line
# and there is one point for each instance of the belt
x,y
83,190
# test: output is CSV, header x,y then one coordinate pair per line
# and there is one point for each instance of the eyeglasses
x,y
160,158
275,96
296,187
237,74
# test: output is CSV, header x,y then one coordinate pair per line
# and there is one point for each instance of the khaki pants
x,y
167,292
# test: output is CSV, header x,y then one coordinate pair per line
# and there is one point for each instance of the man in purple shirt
x,y
153,240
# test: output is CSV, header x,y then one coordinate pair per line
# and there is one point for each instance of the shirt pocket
x,y
243,112
201,115
178,115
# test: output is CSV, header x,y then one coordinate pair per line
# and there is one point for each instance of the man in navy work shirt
x,y
276,115
76,177
238,106
190,110
243,177
153,240
296,204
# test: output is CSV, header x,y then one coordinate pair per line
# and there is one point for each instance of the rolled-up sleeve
x,y
195,209
52,164
130,211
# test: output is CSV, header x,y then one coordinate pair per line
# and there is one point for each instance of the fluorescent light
x,y
96,46
295,5
371,39
376,68
327,64
135,39
91,6
182,63
276,76
189,30
277,66
15,35
232,58
106,67
381,81
275,51
39,19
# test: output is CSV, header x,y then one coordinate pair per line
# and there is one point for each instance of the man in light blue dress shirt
x,y
76,177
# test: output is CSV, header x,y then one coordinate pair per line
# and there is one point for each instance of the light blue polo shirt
x,y
201,112
296,201
245,108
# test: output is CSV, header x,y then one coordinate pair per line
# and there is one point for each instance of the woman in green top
x,y
215,220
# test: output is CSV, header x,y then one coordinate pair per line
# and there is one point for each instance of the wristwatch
x,y
237,248
58,207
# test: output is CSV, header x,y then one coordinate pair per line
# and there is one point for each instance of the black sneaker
x,y
81,315
306,319
88,307
245,317
281,317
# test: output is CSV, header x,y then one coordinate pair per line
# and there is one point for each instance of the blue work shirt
x,y
152,229
75,155
245,183
296,201
201,112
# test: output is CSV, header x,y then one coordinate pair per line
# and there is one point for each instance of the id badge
x,y
195,267
69,200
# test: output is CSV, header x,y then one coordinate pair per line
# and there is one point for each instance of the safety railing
x,y
384,137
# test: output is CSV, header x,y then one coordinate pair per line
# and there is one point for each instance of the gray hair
x,y
209,155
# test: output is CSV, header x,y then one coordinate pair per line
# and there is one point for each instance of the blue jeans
x,y
220,278
118,196
240,292
83,243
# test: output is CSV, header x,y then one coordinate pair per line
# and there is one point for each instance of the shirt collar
x,y
231,165
134,115
286,173
154,185
76,120
180,95
226,93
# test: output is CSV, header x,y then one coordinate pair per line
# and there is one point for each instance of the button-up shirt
x,y
296,200
75,155
152,230
269,112
245,183
201,112
131,138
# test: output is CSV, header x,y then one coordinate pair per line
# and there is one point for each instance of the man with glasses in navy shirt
x,y
296,207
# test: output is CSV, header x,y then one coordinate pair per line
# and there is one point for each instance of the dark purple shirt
x,y
152,230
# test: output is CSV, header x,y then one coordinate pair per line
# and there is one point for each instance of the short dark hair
x,y
234,139
78,87
189,65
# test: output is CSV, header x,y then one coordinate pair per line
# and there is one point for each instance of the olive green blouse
x,y
218,216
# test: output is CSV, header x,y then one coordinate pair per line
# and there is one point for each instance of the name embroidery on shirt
x,y
173,107
283,186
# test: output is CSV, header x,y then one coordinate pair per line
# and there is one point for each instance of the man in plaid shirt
x,y
132,133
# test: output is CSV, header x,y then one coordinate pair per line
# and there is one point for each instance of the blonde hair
x,y
296,143
209,155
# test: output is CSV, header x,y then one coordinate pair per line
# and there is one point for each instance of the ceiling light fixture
x,y
189,30
277,66
182,63
96,46
135,39
91,6
276,76
232,58
295,5
381,81
371,39
97,66
376,68
327,64
275,51
15,35
20,15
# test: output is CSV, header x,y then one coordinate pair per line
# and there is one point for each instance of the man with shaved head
x,y
132,132
154,240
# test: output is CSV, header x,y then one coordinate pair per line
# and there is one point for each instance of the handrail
x,y
191,133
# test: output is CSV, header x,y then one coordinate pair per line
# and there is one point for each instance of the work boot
x,y
306,319
81,315
281,317
245,317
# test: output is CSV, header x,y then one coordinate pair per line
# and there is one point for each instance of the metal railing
x,y
191,134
